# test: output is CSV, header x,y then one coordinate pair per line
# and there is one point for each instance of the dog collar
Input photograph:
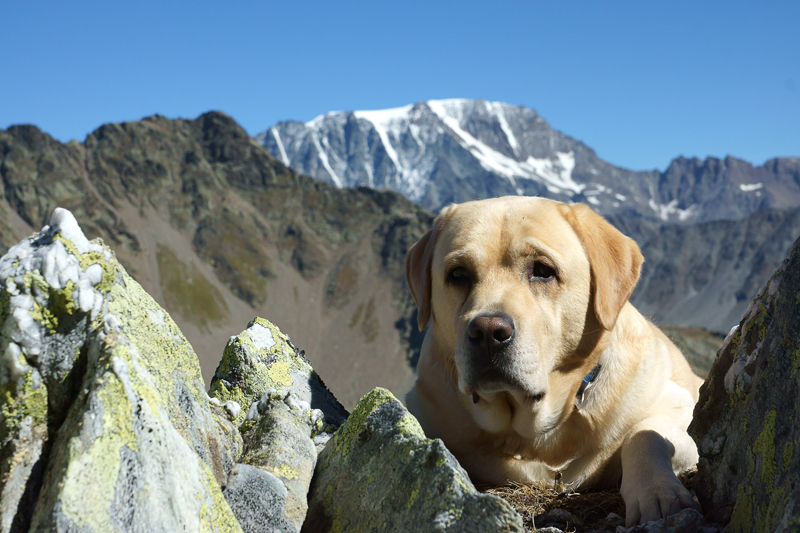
x,y
587,382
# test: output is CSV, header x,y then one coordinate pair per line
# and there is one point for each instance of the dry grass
x,y
542,506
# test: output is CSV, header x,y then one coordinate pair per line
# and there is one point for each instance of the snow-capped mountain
x,y
443,151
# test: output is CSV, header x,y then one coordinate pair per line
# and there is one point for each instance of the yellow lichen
x,y
409,425
16,405
788,454
770,510
164,351
412,498
287,472
765,445
348,432
279,373
100,462
218,518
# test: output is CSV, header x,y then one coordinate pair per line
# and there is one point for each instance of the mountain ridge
x,y
441,151
218,232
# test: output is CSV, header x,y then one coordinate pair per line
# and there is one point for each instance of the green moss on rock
x,y
379,471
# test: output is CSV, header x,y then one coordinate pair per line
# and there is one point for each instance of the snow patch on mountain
x,y
388,121
323,157
281,150
670,210
555,174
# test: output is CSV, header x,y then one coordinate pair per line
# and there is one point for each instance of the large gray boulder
x,y
104,420
746,421
380,473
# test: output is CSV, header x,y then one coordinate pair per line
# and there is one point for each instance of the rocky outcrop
x,y
745,422
380,473
288,414
104,423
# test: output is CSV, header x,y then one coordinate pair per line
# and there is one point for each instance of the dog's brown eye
x,y
540,271
458,276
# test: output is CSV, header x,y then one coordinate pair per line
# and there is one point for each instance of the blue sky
x,y
640,82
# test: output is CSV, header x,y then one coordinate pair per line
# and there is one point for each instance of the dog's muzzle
x,y
490,338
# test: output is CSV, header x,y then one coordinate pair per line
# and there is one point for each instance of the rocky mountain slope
x,y
218,232
706,274
443,151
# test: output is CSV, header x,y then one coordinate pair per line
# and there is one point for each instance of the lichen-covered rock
x,y
280,441
746,421
104,421
262,358
380,473
287,412
258,499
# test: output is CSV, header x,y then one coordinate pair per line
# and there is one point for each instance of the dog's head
x,y
517,291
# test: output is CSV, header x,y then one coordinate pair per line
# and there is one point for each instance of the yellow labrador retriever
x,y
535,367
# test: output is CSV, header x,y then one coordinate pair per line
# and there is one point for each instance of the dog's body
x,y
535,366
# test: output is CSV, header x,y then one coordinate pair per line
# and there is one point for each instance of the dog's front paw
x,y
655,498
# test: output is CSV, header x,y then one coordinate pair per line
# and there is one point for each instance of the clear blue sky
x,y
641,82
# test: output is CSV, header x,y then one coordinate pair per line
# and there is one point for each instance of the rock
x,y
556,519
261,359
104,420
279,442
745,423
286,410
687,521
258,499
380,473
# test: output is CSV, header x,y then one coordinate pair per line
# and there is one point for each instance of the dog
x,y
535,367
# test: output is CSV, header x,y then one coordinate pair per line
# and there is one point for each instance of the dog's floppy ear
x,y
418,275
418,268
615,260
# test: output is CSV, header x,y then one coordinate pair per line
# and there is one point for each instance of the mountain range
x,y
219,231
442,151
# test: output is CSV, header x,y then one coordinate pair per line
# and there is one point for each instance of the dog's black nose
x,y
491,333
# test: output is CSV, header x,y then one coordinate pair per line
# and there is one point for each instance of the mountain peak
x,y
436,152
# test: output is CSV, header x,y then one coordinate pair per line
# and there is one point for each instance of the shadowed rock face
x,y
745,422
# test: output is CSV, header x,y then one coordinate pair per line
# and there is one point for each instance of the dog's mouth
x,y
521,398
493,382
